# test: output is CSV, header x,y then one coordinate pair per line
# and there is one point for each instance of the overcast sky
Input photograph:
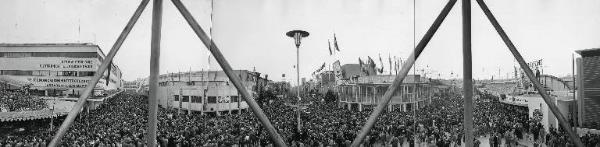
x,y
251,33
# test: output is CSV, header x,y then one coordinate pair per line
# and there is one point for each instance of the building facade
x,y
56,69
367,91
207,91
588,88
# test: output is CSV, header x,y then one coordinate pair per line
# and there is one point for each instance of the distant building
x,y
588,88
520,92
56,69
207,91
367,91
303,81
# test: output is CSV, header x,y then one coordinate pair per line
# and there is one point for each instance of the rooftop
x,y
589,52
45,44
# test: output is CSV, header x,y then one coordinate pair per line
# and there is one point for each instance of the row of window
x,y
47,73
209,99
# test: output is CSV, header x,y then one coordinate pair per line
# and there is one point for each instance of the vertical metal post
x,y
561,119
467,74
580,92
278,141
154,71
403,72
99,73
298,124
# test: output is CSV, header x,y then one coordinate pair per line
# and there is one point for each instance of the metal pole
x,y
530,75
403,72
154,71
298,124
99,72
229,71
467,73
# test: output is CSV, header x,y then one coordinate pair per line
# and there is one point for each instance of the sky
x,y
251,33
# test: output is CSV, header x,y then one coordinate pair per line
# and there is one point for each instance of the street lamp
x,y
297,35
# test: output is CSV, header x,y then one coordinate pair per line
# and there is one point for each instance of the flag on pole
x,y
335,44
322,66
390,58
381,64
397,65
360,62
371,63
361,65
329,44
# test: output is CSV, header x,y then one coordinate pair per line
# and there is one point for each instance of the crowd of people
x,y
19,100
122,120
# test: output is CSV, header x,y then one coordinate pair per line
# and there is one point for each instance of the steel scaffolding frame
x,y
275,137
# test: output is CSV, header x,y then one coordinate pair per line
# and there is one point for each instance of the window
x,y
86,73
45,72
212,99
16,54
196,99
234,98
36,73
186,98
176,97
67,73
17,72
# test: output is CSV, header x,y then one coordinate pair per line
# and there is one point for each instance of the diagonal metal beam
x,y
157,9
403,72
64,127
229,71
561,119
467,74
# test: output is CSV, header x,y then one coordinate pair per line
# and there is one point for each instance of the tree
x,y
330,96
265,96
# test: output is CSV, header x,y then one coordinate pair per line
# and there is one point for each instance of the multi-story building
x,y
56,69
588,88
367,91
207,91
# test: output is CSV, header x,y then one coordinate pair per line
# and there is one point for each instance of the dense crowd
x,y
122,120
19,100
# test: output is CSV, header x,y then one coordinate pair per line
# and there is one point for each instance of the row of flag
x,y
370,67
332,50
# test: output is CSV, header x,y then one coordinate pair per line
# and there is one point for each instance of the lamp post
x,y
297,35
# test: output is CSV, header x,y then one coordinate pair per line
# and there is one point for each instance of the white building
x,y
206,91
415,92
56,69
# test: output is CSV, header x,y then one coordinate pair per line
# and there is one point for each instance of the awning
x,y
29,115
